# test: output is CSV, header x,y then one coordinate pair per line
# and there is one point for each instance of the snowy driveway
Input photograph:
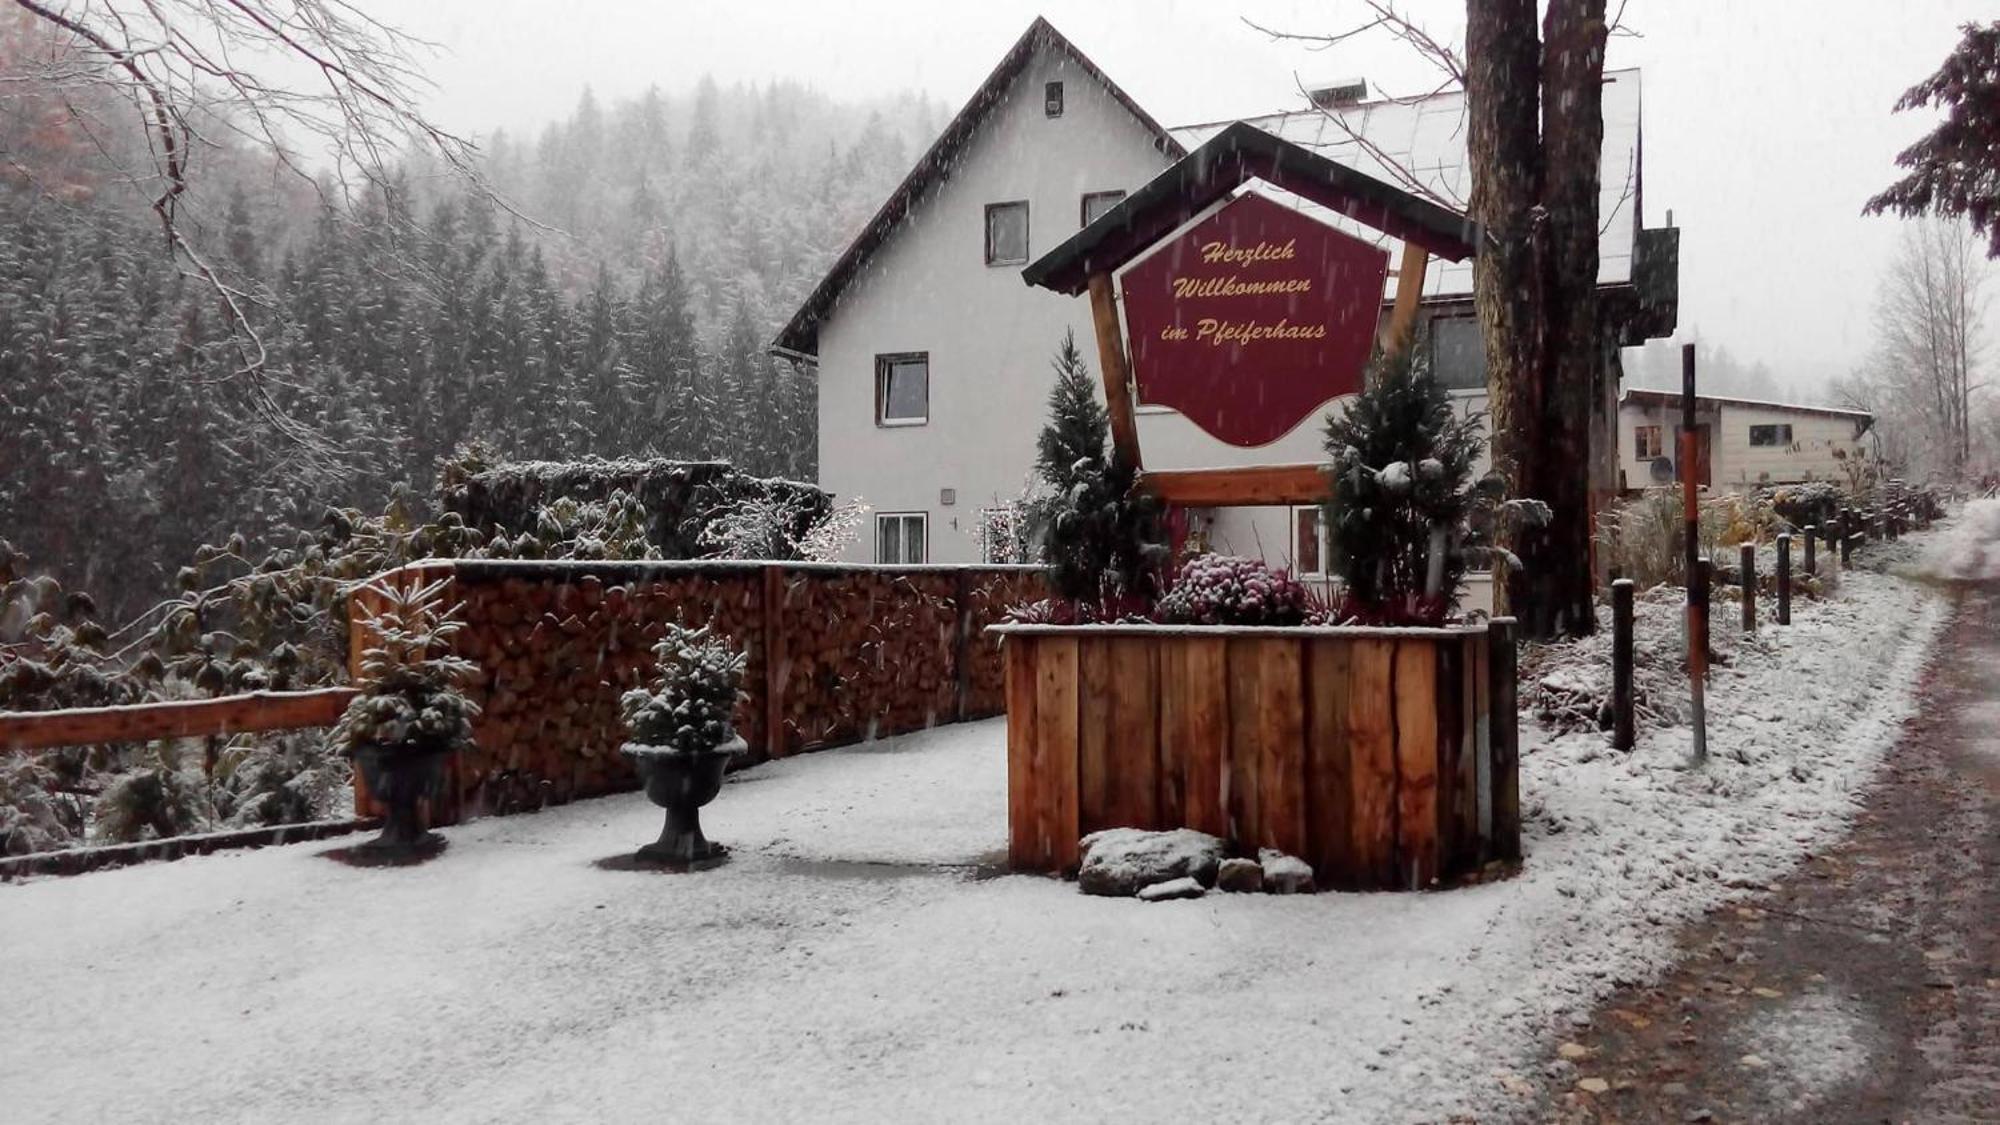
x,y
514,980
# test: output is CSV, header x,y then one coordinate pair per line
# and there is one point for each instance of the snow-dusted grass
x,y
858,961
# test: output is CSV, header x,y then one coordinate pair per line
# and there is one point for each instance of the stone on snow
x,y
1285,874
1183,887
1120,861
1243,876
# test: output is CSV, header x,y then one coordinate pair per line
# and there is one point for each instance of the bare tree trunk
x,y
1503,103
1573,40
1536,137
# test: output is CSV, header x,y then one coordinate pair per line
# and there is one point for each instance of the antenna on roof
x,y
1339,92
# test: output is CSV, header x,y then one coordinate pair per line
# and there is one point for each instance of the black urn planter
x,y
681,783
400,778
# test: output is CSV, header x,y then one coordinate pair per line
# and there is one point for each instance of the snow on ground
x,y
1808,1047
859,960
1971,551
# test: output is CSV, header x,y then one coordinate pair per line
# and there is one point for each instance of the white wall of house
x,y
1818,449
1821,447
989,336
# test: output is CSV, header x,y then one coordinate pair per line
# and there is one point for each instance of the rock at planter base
x,y
1183,887
1243,876
1285,874
1119,861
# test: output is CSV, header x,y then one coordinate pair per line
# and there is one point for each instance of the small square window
x,y
1779,434
1646,442
900,537
1458,353
903,389
1007,233
1052,99
1096,203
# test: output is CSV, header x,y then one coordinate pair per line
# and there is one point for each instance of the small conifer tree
x,y
1101,537
1402,495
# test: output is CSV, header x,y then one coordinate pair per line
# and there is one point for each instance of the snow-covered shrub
x,y
410,699
1810,502
1102,537
691,706
163,795
1231,590
568,528
34,815
1644,537
782,526
1401,518
1006,534
679,498
287,777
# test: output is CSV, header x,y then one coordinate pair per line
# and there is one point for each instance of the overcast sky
x,y
1767,124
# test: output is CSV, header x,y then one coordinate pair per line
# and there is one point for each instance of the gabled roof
x,y
1647,395
1226,161
800,336
1420,144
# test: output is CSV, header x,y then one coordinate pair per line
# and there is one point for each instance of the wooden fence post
x,y
1621,664
774,661
1894,520
1747,574
1812,555
1502,717
1847,550
961,648
1785,578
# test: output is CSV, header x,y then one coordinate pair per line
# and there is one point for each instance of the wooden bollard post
x,y
1747,574
1621,664
1502,716
1894,523
1785,578
1812,555
1847,551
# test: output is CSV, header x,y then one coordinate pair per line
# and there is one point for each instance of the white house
x,y
1741,443
933,357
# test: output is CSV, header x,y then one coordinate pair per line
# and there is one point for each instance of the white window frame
x,y
1027,233
1319,515
923,519
883,363
1659,441
1435,322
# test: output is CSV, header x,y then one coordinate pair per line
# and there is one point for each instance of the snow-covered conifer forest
x,y
612,295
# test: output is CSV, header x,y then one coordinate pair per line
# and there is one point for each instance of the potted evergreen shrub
x,y
411,712
680,735
1406,518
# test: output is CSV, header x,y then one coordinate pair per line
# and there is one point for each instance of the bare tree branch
x,y
176,59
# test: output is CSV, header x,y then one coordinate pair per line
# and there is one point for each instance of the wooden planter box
x,y
1386,758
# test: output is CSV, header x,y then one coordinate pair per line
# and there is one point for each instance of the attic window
x,y
1052,99
1096,203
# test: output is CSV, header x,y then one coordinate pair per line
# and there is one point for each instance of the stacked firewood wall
x,y
847,654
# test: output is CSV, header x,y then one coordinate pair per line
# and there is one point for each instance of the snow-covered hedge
x,y
680,498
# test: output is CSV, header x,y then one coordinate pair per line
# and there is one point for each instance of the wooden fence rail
x,y
144,722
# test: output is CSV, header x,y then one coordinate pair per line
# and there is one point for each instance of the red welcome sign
x,y
1253,318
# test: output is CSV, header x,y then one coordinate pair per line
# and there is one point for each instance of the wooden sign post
x,y
1243,313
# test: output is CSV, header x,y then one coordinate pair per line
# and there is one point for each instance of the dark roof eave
x,y
1226,161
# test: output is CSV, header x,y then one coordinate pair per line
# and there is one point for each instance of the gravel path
x,y
1866,986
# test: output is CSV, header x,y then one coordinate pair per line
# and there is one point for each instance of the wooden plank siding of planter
x,y
1368,753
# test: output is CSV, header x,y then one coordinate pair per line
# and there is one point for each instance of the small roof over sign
x,y
1233,157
